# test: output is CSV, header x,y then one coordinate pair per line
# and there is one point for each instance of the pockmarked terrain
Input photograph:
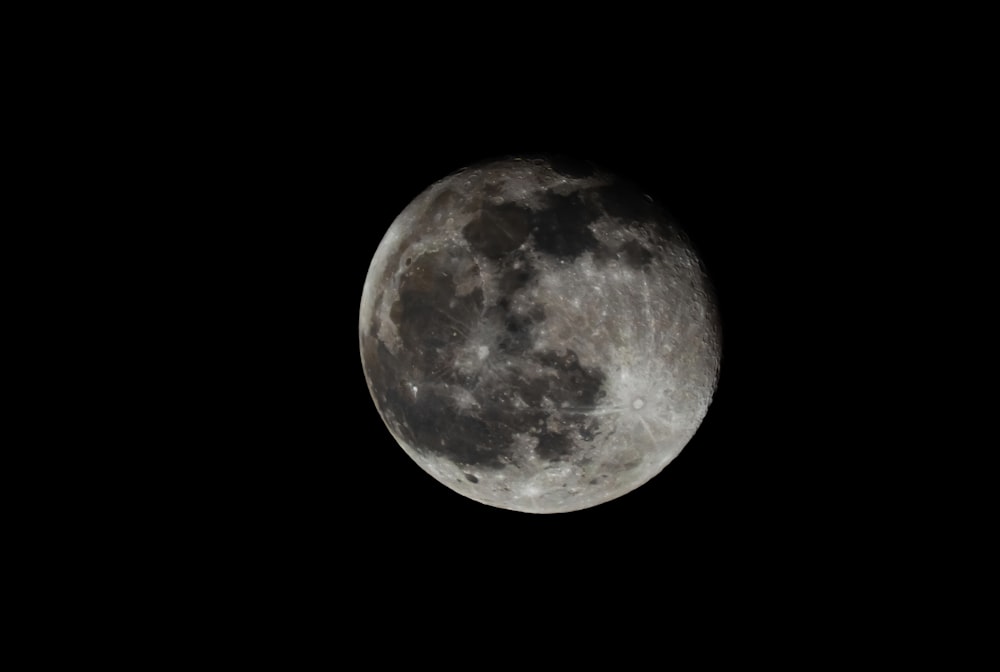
x,y
539,335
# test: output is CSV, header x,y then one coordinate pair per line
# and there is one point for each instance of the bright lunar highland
x,y
539,335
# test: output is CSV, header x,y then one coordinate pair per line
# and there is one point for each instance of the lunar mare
x,y
538,335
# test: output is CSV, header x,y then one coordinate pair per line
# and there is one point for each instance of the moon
x,y
539,335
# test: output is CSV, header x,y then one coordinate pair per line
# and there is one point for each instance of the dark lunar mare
x,y
558,229
435,323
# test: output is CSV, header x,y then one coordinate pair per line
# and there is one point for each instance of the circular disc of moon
x,y
539,335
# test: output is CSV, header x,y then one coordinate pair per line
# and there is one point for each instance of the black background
x,y
305,177
250,164
733,177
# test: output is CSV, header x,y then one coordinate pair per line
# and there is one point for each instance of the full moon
x,y
539,335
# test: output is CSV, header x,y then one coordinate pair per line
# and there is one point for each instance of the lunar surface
x,y
539,335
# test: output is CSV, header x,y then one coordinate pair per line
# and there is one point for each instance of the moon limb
x,y
533,446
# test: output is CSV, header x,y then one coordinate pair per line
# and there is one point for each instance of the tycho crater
x,y
539,335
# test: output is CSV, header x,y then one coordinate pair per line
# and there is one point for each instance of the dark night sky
x,y
735,191
272,158
741,169
283,153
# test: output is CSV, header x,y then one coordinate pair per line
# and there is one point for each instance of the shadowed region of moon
x,y
538,335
